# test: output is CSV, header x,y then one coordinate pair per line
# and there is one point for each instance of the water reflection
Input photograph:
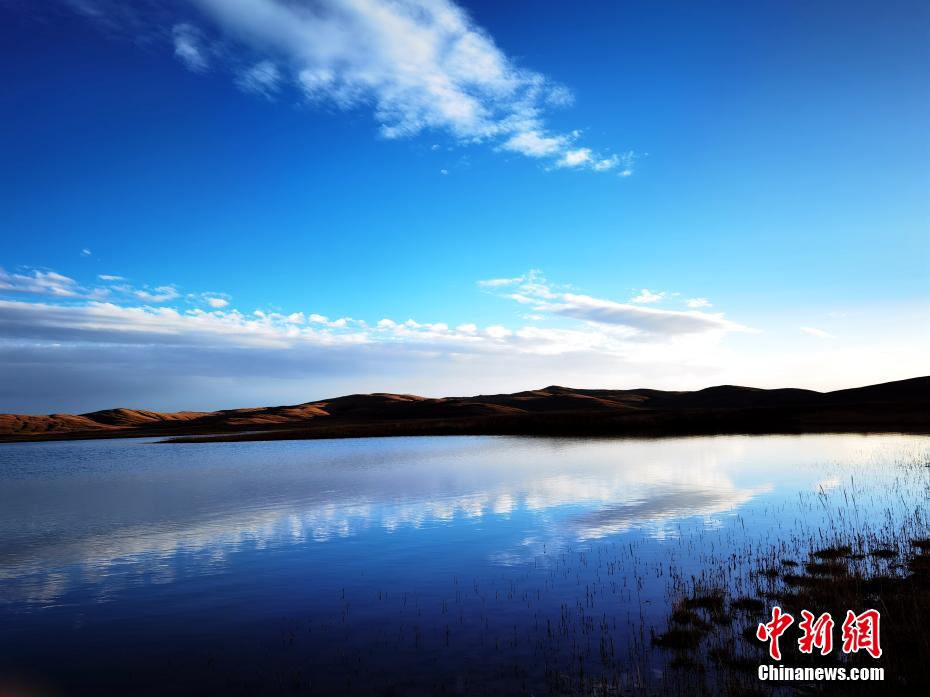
x,y
661,508
107,515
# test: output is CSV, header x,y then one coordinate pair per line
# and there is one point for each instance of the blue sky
x,y
763,169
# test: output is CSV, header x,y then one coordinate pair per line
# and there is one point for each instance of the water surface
x,y
464,565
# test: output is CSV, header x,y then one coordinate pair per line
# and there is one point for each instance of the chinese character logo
x,y
771,631
817,633
860,632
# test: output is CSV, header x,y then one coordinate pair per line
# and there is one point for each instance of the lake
x,y
456,565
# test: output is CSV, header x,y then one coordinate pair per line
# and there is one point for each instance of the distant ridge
x,y
903,405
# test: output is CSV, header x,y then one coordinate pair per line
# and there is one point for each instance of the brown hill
x,y
896,406
122,417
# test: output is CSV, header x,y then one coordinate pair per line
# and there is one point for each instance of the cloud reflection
x,y
320,493
660,508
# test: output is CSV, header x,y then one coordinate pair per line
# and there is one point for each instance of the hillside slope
x,y
901,405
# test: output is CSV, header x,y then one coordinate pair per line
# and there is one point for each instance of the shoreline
x,y
901,406
873,418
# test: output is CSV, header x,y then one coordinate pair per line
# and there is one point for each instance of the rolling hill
x,y
895,406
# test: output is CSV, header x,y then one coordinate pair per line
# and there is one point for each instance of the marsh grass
x,y
857,546
576,621
902,596
878,559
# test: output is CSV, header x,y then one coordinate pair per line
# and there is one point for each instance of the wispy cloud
x,y
103,349
531,289
651,320
500,282
50,283
535,290
217,301
189,47
647,296
86,317
418,65
262,78
159,294
38,282
627,162
819,333
534,144
585,158
698,303
113,323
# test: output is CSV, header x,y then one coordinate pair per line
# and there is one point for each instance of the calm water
x,y
473,565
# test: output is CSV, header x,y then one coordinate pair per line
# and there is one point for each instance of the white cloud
x,y
117,322
38,282
585,158
534,289
645,319
56,346
159,294
499,282
576,158
534,144
533,284
606,163
419,65
215,300
607,326
189,48
647,296
698,303
85,252
498,332
262,78
579,158
819,333
112,323
628,162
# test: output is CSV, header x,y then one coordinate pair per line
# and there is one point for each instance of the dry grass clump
x,y
834,579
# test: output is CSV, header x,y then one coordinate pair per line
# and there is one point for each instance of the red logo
x,y
771,631
860,632
817,633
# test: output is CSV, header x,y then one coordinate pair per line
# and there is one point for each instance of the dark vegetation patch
x,y
837,552
713,601
748,605
679,638
834,567
722,658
